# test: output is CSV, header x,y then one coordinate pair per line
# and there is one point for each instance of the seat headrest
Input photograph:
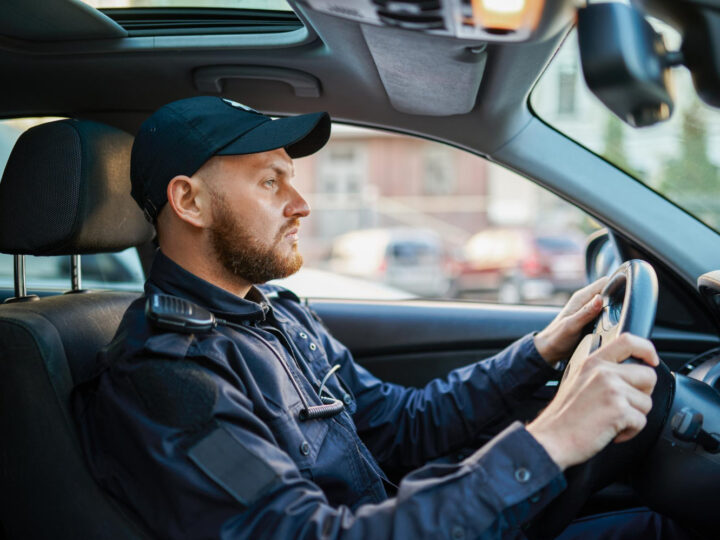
x,y
66,190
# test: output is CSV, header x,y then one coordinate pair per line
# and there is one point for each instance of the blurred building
x,y
365,178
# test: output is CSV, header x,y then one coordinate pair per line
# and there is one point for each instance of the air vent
x,y
411,14
173,21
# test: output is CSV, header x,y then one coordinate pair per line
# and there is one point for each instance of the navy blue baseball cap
x,y
181,136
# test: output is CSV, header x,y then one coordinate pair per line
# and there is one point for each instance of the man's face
x,y
255,215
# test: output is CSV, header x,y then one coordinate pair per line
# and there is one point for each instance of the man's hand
x,y
600,400
559,339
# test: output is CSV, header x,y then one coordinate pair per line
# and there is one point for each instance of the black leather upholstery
x,y
46,490
66,190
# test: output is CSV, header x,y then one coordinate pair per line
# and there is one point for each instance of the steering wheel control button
x,y
305,448
522,475
302,335
457,533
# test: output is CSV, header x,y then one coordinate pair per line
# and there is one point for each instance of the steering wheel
x,y
629,305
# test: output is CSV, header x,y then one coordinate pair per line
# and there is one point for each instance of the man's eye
x,y
270,182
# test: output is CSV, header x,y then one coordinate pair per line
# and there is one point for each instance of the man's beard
x,y
247,257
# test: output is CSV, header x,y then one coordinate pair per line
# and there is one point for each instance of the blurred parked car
x,y
520,265
410,259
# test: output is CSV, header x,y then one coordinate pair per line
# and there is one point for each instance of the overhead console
x,y
487,20
431,54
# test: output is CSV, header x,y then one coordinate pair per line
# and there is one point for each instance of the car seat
x,y
65,191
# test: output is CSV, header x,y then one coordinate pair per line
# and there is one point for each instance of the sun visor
x,y
50,20
424,74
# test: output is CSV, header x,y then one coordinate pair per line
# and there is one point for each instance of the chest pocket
x,y
301,440
308,344
315,357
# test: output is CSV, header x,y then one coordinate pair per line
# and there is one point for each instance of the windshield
x,y
679,158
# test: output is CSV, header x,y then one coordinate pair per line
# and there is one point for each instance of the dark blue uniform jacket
x,y
201,435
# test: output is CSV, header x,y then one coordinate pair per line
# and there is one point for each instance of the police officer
x,y
262,425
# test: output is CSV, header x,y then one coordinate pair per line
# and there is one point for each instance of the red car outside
x,y
520,265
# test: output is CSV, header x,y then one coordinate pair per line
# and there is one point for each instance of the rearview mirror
x,y
625,63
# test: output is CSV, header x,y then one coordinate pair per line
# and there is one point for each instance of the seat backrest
x,y
46,490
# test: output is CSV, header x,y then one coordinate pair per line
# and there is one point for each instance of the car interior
x,y
452,71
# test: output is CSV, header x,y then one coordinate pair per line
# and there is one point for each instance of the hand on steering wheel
x,y
600,400
559,339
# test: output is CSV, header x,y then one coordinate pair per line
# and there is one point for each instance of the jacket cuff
x,y
516,476
534,357
527,371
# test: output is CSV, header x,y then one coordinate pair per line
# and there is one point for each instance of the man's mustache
x,y
290,225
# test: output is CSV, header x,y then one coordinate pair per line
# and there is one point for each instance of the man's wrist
x,y
549,441
545,350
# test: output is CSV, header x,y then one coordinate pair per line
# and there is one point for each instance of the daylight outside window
x,y
679,158
395,216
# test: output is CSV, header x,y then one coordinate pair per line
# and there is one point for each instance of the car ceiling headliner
x,y
108,81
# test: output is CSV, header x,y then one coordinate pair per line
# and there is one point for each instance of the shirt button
x,y
347,399
303,335
305,448
522,475
313,346
458,533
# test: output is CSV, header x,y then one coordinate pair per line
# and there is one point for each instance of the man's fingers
x,y
638,376
634,423
635,414
626,346
586,313
639,401
584,295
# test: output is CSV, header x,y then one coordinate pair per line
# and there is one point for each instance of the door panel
x,y
371,328
411,342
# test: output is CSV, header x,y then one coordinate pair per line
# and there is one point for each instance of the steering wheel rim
x,y
629,305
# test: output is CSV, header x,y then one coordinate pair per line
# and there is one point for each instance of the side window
x,y
395,216
100,271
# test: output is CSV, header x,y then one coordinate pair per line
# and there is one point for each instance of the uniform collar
x,y
173,279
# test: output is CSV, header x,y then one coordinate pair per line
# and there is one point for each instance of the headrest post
x,y
75,272
20,289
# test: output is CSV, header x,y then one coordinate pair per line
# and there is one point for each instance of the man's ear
x,y
190,201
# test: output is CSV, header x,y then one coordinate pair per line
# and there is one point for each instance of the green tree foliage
x,y
614,144
691,179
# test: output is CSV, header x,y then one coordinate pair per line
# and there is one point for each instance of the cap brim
x,y
300,136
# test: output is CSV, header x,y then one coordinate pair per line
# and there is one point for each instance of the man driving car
x,y
262,425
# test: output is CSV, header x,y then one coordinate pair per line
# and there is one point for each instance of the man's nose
x,y
297,206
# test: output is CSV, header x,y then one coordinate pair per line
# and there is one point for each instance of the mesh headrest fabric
x,y
66,190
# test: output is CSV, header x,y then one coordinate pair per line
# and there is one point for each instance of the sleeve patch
x,y
175,393
227,461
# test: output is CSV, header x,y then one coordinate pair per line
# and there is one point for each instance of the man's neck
x,y
207,267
